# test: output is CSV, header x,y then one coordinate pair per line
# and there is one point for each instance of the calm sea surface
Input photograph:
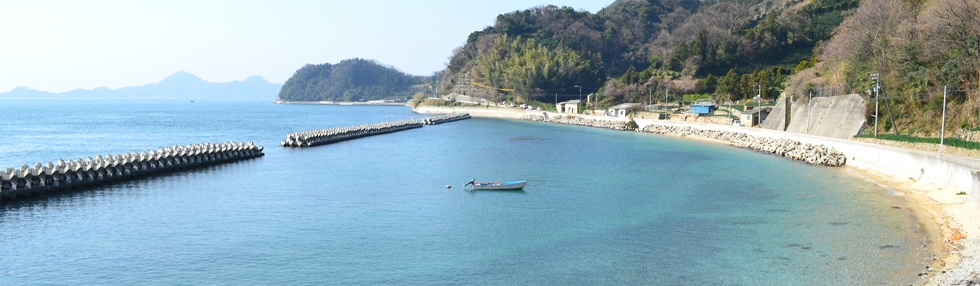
x,y
601,206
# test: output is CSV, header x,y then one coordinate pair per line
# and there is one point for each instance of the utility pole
x,y
730,118
579,92
759,86
875,76
942,134
808,113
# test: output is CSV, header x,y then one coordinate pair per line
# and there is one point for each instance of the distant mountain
x,y
351,80
180,85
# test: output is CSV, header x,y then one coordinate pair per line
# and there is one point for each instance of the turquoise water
x,y
601,206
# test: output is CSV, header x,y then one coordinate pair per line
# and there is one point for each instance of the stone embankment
x,y
76,174
326,136
445,118
810,153
572,120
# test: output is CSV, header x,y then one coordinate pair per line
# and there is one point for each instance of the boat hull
x,y
500,185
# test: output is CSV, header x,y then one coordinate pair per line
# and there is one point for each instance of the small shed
x,y
703,108
570,107
753,117
622,110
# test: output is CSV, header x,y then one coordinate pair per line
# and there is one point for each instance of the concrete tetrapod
x,y
445,118
572,120
326,136
810,153
76,174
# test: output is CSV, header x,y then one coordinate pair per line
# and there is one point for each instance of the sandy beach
x,y
951,224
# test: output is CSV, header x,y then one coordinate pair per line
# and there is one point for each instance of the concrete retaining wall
x,y
75,174
831,116
779,116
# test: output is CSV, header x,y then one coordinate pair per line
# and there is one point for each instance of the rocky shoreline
x,y
810,153
571,120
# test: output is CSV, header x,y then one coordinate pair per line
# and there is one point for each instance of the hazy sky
x,y
63,45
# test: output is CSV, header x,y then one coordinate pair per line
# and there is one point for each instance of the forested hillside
x,y
724,50
351,80
918,47
719,49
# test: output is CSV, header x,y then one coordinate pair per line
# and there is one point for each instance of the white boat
x,y
515,185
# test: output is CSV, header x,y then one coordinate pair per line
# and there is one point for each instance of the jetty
x,y
326,136
445,118
319,137
28,181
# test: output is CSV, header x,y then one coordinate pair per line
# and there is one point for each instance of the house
x,y
703,108
570,107
622,110
753,117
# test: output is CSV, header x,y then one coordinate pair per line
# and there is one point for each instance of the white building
x,y
622,110
570,107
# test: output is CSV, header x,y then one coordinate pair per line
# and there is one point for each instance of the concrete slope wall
x,y
778,118
952,173
832,116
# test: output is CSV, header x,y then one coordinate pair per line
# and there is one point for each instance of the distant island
x,y
180,85
353,80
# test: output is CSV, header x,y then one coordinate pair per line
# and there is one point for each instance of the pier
x,y
28,181
326,136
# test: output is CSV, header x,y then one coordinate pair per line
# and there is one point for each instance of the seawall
x,y
77,174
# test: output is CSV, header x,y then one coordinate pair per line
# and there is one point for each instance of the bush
x,y
417,100
631,125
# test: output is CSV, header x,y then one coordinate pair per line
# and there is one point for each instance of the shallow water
x,y
601,206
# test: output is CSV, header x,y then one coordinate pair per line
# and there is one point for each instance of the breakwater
x,y
75,174
445,118
816,154
326,136
573,120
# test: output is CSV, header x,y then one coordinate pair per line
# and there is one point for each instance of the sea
x,y
601,207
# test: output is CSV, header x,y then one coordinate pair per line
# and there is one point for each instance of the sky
x,y
58,46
